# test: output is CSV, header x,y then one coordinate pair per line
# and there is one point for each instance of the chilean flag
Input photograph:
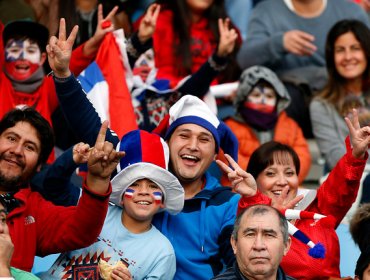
x,y
106,82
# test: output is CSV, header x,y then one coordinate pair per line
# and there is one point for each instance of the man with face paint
x,y
23,81
260,117
142,187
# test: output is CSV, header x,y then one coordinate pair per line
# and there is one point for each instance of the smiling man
x,y
260,239
200,233
36,226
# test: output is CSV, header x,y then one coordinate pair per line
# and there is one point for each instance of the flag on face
x,y
157,197
129,193
106,82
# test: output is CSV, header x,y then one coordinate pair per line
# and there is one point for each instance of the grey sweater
x,y
272,18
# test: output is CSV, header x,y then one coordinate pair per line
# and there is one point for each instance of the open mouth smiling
x,y
190,158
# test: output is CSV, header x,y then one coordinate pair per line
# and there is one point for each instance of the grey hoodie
x,y
251,76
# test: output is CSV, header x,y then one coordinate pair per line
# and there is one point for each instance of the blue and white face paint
x,y
22,58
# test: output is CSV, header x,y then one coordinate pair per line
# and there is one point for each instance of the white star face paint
x,y
22,49
22,58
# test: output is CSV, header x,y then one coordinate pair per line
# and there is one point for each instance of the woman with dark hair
x,y
193,42
275,167
347,62
194,34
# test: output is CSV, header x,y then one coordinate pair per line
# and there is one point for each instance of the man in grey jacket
x,y
260,239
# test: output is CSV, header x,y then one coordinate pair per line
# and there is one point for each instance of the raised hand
x,y
360,137
148,23
284,201
105,24
241,181
299,43
81,153
228,38
60,49
102,161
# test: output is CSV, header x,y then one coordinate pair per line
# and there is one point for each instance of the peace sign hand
x,y
360,137
241,181
60,49
228,38
148,23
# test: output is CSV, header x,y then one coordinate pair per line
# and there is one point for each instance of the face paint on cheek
x,y
264,108
14,50
157,197
129,193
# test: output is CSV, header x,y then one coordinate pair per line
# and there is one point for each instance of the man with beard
x,y
36,226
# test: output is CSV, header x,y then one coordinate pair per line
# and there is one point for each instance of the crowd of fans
x,y
149,201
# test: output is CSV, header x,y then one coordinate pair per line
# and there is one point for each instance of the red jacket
x,y
40,228
286,132
203,45
334,197
44,99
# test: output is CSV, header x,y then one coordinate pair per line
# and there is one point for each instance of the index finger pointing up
x,y
101,136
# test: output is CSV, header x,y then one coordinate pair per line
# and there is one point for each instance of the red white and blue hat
x,y
147,156
191,109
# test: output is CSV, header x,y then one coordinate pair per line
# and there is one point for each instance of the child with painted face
x,y
261,100
141,188
22,55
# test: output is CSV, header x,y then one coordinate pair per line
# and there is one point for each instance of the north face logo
x,y
29,220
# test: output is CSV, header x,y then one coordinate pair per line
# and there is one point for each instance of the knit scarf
x,y
29,85
259,120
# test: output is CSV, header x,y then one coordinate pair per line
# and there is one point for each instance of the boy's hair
x,y
24,29
34,118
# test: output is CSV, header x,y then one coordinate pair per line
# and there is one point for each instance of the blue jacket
x,y
200,234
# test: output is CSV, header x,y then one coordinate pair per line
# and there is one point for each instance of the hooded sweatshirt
x,y
286,130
